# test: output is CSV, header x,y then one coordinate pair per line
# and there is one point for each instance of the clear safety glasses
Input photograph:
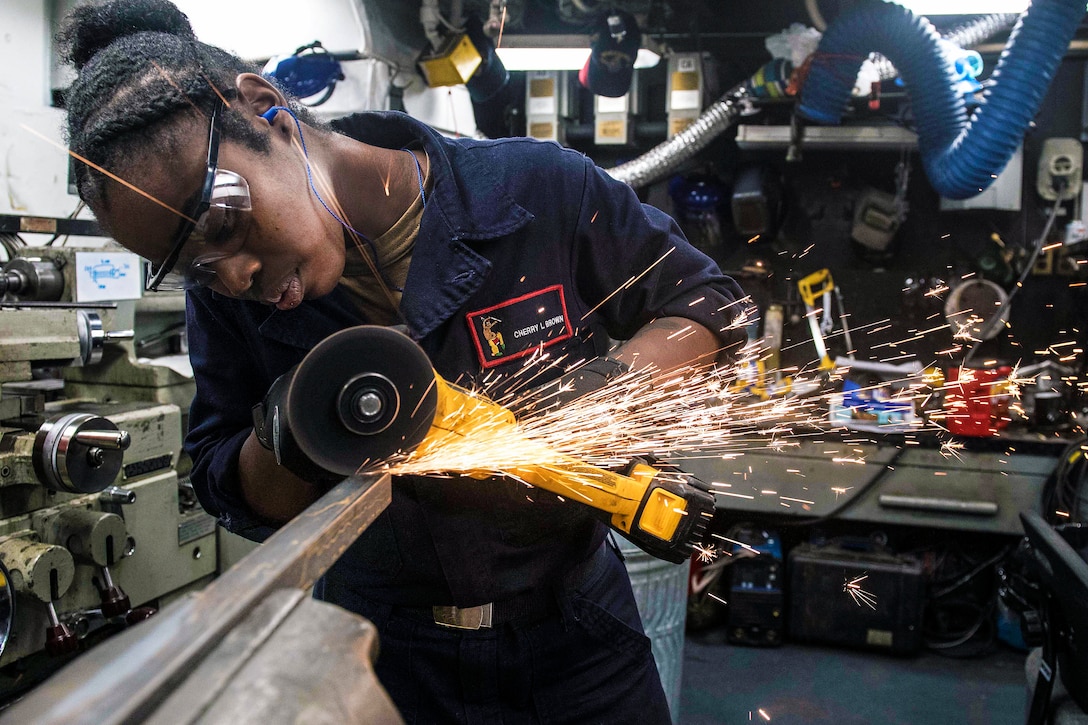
x,y
212,230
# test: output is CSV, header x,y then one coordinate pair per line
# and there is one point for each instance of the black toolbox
x,y
855,597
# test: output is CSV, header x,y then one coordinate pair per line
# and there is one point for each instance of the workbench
x,y
900,480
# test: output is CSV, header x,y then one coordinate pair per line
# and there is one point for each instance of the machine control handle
x,y
114,440
116,494
115,603
118,335
59,638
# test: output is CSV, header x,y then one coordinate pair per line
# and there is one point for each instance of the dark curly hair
x,y
141,69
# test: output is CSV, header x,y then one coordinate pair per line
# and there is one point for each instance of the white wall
x,y
34,173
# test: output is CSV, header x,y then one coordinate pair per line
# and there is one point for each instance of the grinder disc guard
x,y
360,396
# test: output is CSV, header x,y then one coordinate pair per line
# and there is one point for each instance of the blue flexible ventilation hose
x,y
961,157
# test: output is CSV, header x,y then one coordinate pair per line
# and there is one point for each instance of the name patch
x,y
518,327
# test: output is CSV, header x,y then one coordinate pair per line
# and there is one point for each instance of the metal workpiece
x,y
336,685
79,452
92,537
40,570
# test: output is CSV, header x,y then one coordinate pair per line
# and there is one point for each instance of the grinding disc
x,y
361,395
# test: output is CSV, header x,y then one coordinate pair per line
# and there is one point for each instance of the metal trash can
x,y
661,593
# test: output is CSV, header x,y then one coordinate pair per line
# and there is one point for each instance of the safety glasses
x,y
212,230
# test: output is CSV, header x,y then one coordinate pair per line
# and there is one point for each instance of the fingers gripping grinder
x,y
367,393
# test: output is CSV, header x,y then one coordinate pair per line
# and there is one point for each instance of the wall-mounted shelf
x,y
828,137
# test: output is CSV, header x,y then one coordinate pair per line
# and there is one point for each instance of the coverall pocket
x,y
610,630
604,606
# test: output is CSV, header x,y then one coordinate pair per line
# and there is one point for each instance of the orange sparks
x,y
706,553
629,282
859,595
387,177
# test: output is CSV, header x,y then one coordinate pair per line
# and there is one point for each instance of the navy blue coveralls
x,y
522,245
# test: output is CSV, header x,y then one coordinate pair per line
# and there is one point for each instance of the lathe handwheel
x,y
78,452
360,396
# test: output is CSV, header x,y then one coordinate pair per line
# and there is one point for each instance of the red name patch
x,y
517,327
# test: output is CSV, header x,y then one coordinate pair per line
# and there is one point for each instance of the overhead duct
x,y
973,33
961,157
665,158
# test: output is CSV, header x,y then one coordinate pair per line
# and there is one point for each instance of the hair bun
x,y
90,28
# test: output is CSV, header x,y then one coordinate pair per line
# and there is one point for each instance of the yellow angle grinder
x,y
367,393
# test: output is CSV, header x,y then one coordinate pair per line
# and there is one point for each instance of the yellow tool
x,y
816,289
367,392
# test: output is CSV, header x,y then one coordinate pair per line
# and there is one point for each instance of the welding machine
x,y
756,599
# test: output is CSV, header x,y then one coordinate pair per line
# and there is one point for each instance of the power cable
x,y
1000,312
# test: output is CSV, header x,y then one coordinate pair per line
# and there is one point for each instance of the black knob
x,y
60,640
139,614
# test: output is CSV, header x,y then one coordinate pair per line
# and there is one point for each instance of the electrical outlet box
x,y
1060,162
1075,232
546,100
684,94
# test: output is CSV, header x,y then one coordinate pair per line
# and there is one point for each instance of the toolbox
x,y
855,597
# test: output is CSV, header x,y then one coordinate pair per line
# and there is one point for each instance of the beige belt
x,y
468,618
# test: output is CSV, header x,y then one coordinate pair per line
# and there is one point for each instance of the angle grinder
x,y
368,393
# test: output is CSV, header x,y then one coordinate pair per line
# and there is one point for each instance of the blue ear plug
x,y
271,112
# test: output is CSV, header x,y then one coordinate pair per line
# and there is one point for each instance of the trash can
x,y
661,593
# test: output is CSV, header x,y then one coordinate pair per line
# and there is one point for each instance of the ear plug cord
x,y
269,115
